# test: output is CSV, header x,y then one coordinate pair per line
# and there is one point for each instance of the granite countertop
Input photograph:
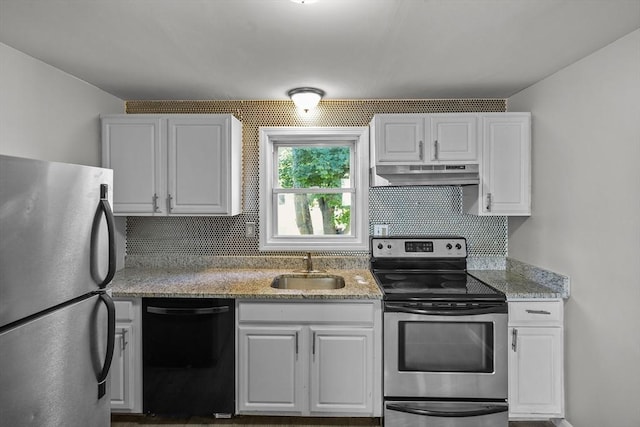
x,y
205,282
251,277
517,286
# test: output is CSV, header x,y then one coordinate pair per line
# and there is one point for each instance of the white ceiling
x,y
353,49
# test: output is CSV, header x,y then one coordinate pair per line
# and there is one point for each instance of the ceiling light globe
x,y
306,98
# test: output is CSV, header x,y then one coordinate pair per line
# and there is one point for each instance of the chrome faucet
x,y
309,263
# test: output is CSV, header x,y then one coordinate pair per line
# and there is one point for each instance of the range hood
x,y
450,174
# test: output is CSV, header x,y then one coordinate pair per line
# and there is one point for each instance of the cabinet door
x,y
535,372
121,373
198,160
269,370
341,370
400,138
454,137
506,164
126,369
131,146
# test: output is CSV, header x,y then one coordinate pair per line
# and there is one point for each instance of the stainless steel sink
x,y
308,281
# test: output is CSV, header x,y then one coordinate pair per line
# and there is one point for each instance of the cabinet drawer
x,y
535,312
125,311
316,312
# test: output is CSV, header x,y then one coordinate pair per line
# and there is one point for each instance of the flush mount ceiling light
x,y
304,1
305,98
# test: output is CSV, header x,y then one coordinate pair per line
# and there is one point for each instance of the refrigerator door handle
x,y
111,340
105,209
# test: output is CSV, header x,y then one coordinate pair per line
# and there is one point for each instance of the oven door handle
x,y
462,413
500,308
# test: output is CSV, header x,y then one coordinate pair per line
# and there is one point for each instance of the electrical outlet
x,y
381,229
250,229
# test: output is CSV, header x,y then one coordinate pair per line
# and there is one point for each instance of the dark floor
x,y
247,421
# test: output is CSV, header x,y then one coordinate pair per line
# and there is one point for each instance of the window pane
x,y
314,214
314,167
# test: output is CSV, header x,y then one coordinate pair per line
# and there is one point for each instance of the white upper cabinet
x,y
505,169
454,137
174,164
132,146
425,138
399,138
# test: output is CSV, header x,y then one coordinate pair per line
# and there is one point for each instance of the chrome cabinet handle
x,y
124,340
170,201
313,345
421,149
489,202
514,340
539,312
296,343
436,149
155,202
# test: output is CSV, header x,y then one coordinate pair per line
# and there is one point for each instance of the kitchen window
x,y
314,183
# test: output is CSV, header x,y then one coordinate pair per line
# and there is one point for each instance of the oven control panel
x,y
418,247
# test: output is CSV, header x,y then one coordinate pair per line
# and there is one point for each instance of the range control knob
x,y
380,246
458,246
449,246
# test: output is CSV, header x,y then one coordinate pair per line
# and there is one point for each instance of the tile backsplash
x,y
406,210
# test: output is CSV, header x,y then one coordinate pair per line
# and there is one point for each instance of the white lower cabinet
x,y
317,358
341,370
126,367
536,389
269,369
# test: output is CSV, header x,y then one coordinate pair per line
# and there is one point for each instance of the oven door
x,y
459,353
445,414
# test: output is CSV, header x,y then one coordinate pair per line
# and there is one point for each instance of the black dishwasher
x,y
188,349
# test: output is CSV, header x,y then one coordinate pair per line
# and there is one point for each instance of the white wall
x,y
586,223
48,114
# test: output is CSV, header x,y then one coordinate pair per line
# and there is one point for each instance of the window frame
x,y
358,137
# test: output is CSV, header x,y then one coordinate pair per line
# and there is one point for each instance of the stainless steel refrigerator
x,y
57,322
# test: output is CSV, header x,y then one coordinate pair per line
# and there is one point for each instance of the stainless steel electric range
x,y
445,336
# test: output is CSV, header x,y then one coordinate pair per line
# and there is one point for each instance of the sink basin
x,y
307,281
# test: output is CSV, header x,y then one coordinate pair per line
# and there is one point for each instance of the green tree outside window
x,y
317,168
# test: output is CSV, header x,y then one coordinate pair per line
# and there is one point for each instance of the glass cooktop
x,y
425,285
